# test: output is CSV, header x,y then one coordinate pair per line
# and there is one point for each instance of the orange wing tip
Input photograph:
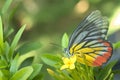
x,y
109,49
101,59
107,55
107,44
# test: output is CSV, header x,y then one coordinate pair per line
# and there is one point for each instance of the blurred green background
x,y
48,20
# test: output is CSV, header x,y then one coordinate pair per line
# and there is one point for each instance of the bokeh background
x,y
48,20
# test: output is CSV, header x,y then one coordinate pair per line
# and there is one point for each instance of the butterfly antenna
x,y
56,45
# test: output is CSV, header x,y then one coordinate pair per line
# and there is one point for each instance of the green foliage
x,y
22,74
1,32
11,59
10,62
8,32
15,41
14,65
116,45
51,60
107,71
26,47
6,6
36,70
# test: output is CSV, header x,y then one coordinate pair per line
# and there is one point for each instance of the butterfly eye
x,y
65,50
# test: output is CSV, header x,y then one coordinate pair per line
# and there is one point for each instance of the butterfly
x,y
88,41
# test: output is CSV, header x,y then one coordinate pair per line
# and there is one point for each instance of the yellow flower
x,y
68,62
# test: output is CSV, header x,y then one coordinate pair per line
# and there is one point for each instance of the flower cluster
x,y
68,62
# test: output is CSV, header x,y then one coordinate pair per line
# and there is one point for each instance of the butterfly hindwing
x,y
96,52
88,39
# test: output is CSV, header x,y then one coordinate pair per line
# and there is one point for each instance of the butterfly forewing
x,y
88,39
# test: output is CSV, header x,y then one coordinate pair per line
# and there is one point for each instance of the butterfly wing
x,y
96,52
88,39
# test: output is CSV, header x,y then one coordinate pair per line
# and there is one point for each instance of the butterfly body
x,y
88,41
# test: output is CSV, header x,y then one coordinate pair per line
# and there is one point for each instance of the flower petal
x,y
65,60
63,67
72,66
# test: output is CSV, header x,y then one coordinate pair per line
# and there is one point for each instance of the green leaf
x,y
4,74
27,47
65,40
17,37
6,50
116,45
14,65
108,74
36,70
8,31
51,60
28,61
6,6
111,77
22,74
1,33
15,40
3,64
106,71
22,58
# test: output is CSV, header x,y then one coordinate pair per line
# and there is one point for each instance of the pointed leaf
x,y
28,61
14,65
36,70
22,74
6,50
6,6
22,58
27,47
8,32
65,41
1,33
15,40
17,37
111,77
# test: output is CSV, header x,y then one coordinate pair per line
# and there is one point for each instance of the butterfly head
x,y
66,50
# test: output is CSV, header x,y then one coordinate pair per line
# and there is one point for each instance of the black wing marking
x,y
93,27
